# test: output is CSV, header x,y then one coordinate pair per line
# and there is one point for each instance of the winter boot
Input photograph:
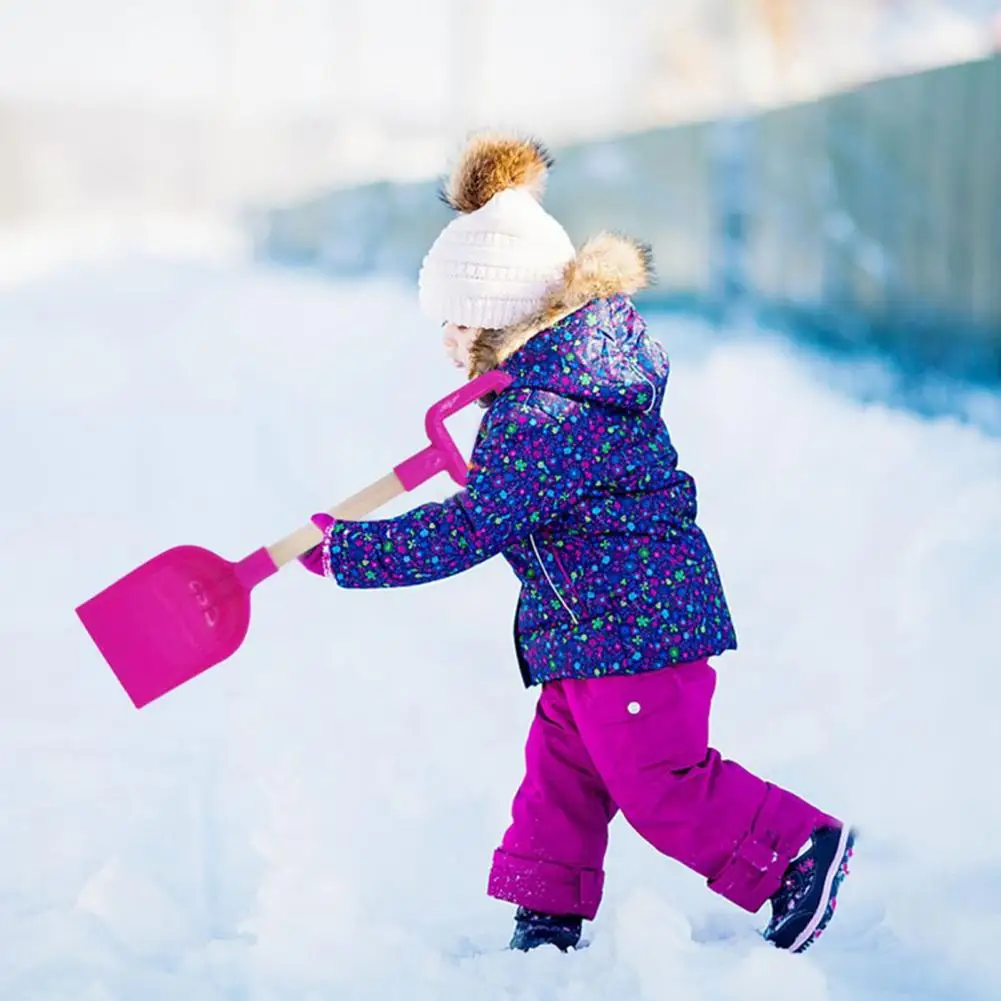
x,y
804,904
532,929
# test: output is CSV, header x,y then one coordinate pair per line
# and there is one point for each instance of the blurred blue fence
x,y
868,221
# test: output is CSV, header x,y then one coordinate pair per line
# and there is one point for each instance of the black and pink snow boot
x,y
804,904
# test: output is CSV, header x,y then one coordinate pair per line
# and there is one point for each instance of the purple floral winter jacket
x,y
574,480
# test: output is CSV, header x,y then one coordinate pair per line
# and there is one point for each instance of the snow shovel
x,y
188,609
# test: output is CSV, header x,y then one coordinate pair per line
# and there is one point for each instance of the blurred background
x,y
826,166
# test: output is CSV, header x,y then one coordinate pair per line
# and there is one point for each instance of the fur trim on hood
x,y
607,265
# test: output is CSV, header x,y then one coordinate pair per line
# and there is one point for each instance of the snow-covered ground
x,y
313,819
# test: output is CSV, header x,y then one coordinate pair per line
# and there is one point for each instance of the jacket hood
x,y
589,343
601,354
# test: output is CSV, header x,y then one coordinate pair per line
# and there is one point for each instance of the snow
x,y
314,818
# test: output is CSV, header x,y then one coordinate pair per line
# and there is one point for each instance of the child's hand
x,y
312,559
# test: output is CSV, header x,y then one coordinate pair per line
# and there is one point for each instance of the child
x,y
574,480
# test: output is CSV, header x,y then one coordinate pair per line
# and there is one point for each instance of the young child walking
x,y
575,481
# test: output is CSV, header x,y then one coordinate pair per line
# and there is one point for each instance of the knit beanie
x,y
494,265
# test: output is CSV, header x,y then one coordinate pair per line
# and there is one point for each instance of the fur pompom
x,y
493,163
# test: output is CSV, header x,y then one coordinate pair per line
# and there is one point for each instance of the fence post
x,y
730,140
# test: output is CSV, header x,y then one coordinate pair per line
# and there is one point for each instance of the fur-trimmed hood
x,y
607,265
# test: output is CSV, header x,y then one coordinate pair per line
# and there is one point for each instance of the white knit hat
x,y
494,265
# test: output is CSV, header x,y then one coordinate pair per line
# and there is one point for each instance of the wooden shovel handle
x,y
363,503
441,454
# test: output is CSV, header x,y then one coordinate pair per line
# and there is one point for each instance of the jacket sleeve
x,y
527,469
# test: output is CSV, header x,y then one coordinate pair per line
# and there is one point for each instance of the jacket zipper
x,y
556,590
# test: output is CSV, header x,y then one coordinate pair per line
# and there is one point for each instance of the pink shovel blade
x,y
173,617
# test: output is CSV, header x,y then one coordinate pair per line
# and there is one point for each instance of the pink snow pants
x,y
640,744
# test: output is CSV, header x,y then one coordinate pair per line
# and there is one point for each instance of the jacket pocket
x,y
556,583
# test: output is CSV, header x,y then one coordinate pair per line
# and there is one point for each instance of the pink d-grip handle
x,y
443,453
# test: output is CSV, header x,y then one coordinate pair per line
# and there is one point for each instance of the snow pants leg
x,y
640,744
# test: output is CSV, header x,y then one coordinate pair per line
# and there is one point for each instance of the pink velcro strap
x,y
548,887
